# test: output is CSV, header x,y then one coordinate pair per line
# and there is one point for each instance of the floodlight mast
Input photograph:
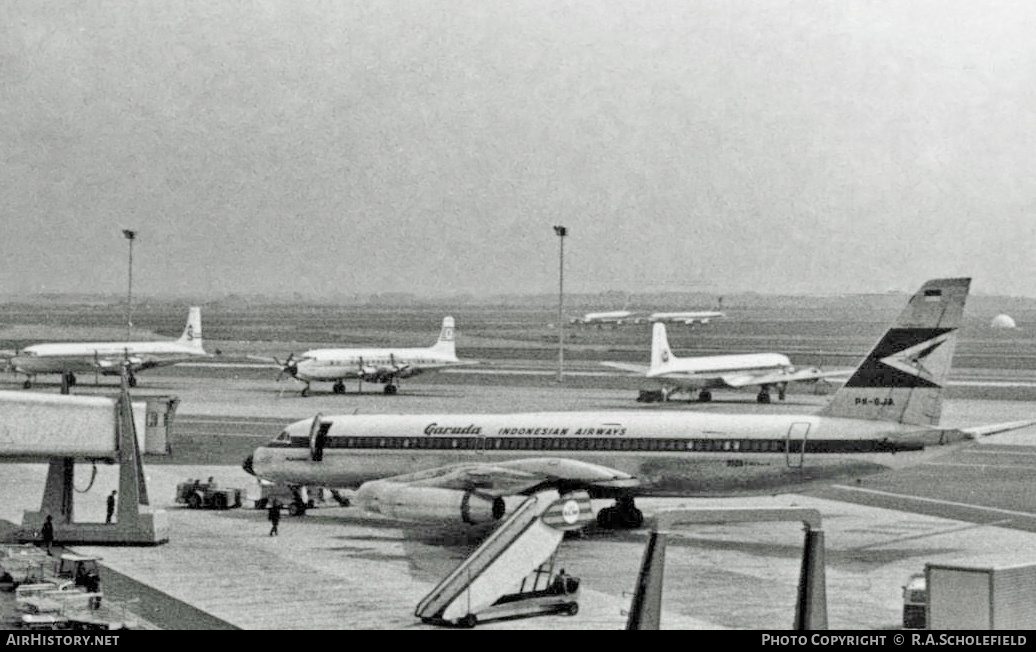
x,y
131,236
561,232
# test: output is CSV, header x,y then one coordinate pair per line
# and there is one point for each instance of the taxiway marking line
x,y
974,452
982,466
221,434
250,422
928,535
934,500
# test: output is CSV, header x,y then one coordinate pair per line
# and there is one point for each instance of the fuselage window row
x,y
560,443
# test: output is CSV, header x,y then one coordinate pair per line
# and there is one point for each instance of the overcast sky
x,y
428,146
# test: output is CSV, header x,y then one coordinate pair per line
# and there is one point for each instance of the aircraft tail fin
x,y
192,331
902,379
445,344
661,354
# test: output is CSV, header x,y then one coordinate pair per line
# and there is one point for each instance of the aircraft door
x,y
318,438
795,445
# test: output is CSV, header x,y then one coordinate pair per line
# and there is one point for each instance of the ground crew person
x,y
559,582
111,507
47,532
274,516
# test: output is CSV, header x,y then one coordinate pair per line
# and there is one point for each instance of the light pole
x,y
561,233
130,235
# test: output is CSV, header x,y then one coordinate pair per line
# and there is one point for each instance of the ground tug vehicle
x,y
197,494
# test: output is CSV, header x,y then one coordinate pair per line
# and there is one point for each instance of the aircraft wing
x,y
801,375
517,477
638,369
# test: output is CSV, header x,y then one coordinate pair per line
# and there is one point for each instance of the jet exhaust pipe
x,y
429,504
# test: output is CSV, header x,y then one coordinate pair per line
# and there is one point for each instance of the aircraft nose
x,y
247,465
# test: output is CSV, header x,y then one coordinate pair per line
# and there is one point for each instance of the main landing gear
x,y
704,396
339,387
68,380
764,393
624,515
391,389
305,391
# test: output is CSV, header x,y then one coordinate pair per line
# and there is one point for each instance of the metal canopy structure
x,y
811,605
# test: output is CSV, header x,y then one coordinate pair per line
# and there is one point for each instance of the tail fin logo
x,y
189,334
447,334
911,360
665,355
898,360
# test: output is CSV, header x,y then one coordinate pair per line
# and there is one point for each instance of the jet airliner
x,y
383,365
616,317
704,373
687,317
461,467
109,358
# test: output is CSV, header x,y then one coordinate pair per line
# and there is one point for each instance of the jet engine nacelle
x,y
428,504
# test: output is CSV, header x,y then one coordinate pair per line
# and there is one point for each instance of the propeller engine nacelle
x,y
372,375
407,372
428,504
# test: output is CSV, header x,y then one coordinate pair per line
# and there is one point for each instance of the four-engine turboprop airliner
x,y
109,358
763,370
386,366
462,467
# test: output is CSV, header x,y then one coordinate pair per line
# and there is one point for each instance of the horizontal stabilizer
x,y
996,428
802,375
637,369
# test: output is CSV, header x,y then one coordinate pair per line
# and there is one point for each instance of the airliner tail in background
x,y
903,378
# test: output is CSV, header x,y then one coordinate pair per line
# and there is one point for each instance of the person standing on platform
x,y
47,532
111,507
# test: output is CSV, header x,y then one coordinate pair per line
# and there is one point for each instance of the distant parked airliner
x,y
703,373
109,358
382,365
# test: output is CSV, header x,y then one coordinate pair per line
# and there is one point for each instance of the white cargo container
x,y
984,593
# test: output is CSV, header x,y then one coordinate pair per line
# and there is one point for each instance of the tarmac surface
x,y
338,568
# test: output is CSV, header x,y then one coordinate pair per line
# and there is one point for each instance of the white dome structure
x,y
1002,321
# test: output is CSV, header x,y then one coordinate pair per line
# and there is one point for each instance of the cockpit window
x,y
284,436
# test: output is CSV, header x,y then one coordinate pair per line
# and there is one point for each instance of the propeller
x,y
399,368
290,366
7,357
